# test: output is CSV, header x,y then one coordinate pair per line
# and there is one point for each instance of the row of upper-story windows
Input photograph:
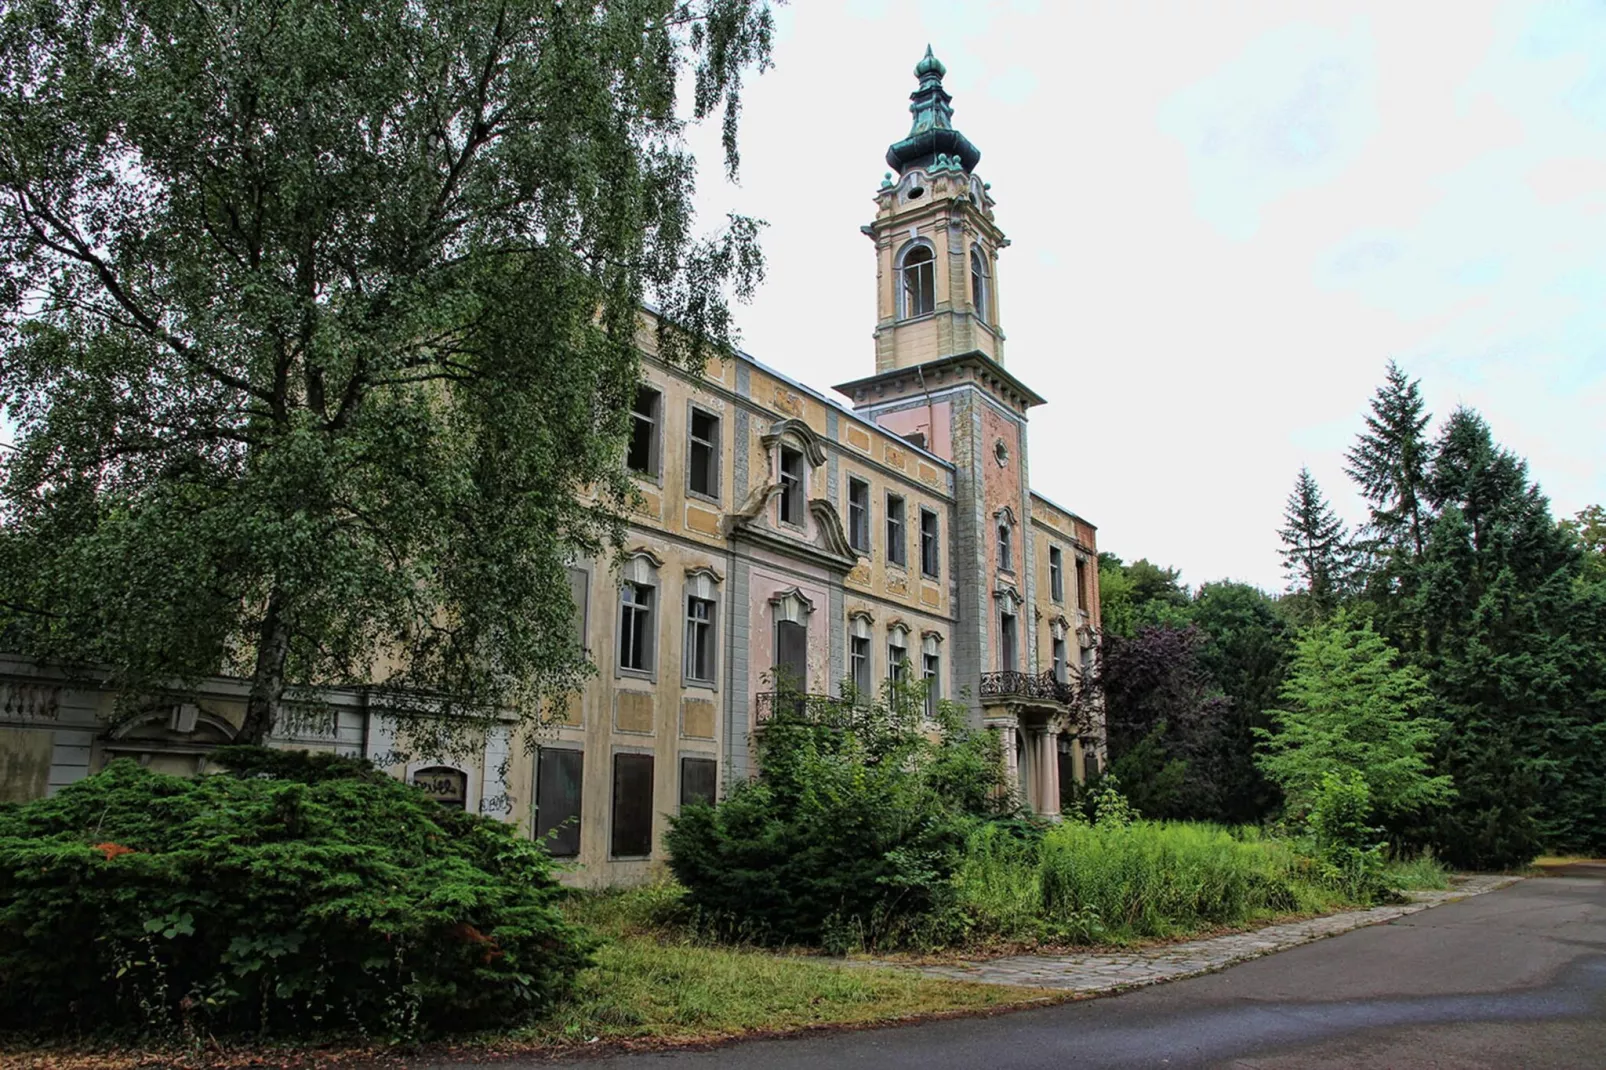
x,y
703,476
1009,647
1056,567
896,529
702,443
639,605
917,273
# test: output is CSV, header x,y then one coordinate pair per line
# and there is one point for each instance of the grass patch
x,y
659,978
1421,874
1120,883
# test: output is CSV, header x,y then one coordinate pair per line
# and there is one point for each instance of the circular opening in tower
x,y
1000,453
916,192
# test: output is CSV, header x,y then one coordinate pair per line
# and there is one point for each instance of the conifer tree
x,y
1514,645
1315,549
1389,463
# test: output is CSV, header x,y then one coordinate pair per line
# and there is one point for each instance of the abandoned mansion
x,y
779,533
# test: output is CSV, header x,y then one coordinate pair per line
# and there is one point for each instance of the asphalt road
x,y
1514,978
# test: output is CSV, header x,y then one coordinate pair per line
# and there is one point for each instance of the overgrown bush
x,y
851,834
1350,847
299,894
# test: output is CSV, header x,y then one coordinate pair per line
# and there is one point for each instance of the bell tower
x,y
936,242
939,381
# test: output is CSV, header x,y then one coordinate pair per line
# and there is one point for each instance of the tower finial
x,y
932,132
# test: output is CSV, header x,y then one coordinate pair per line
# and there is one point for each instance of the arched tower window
x,y
918,282
980,299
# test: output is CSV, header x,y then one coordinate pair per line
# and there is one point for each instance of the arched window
x,y
919,289
1005,558
979,297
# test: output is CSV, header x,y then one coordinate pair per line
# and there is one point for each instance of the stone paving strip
x,y
1093,974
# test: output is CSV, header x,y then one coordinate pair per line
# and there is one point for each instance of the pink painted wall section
x,y
933,421
765,584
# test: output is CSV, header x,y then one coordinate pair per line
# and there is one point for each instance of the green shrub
x,y
301,895
1350,847
852,833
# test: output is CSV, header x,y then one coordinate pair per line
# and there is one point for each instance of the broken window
x,y
791,487
702,475
643,455
897,540
929,563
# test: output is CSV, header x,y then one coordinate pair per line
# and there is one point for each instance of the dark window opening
x,y
897,541
1059,660
897,661
698,780
978,284
632,805
791,656
791,487
1006,642
559,776
1081,586
702,476
700,640
919,282
859,515
643,455
1056,574
859,663
635,627
929,563
931,673
1005,556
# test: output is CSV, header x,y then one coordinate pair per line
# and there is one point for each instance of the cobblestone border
x,y
1098,974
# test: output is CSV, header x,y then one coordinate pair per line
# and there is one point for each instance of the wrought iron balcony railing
x,y
822,709
1024,685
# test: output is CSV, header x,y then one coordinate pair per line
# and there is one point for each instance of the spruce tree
x,y
1389,463
1513,643
1315,549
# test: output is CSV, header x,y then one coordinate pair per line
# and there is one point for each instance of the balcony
x,y
1025,687
820,709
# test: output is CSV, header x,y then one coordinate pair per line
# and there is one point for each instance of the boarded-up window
x,y
559,775
697,780
791,656
632,805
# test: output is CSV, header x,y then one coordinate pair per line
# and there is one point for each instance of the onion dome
x,y
932,133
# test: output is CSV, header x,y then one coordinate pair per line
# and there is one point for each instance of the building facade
x,y
779,535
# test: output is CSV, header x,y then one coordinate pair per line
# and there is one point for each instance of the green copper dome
x,y
932,134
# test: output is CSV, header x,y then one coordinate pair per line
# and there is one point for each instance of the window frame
x,y
793,496
714,446
1006,549
1008,640
931,676
654,445
713,795
543,826
924,269
1060,652
930,544
1081,584
901,522
1056,575
859,539
628,612
710,628
980,286
614,807
863,683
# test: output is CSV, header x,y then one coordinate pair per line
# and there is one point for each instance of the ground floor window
x,y
559,775
697,780
632,806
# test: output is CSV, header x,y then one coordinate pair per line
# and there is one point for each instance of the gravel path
x,y
1093,974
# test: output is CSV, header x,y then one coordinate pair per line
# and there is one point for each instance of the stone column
x,y
1078,766
1051,745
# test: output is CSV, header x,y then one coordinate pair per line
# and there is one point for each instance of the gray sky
x,y
1226,218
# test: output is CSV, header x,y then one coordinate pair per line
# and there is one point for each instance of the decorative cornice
x,y
644,552
704,570
1007,590
832,532
813,446
1005,513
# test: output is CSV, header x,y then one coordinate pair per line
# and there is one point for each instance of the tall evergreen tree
x,y
1315,549
1389,463
1514,647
